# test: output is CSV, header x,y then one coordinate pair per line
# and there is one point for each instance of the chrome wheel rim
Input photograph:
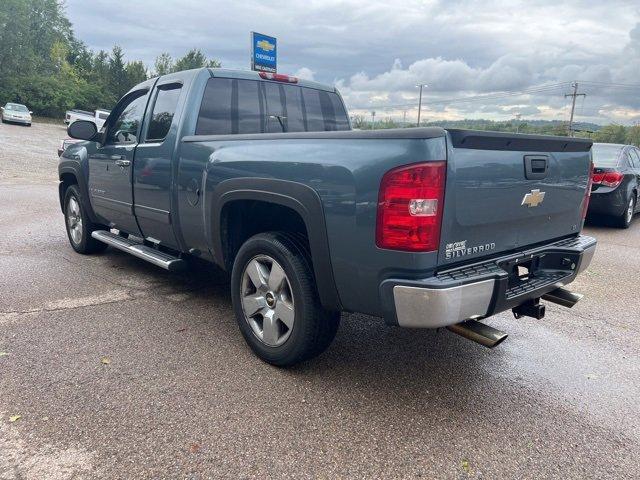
x,y
74,220
267,300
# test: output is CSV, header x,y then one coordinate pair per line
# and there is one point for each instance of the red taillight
x,y
608,179
612,179
587,194
278,77
410,204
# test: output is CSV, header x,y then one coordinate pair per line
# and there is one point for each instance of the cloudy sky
x,y
480,59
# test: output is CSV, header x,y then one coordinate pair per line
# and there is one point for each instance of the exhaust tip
x,y
479,332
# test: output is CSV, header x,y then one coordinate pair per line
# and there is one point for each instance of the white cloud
x,y
305,73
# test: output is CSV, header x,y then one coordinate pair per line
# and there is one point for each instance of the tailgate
x,y
508,191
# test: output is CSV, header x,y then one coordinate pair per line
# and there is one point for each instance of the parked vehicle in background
x,y
16,113
616,182
262,175
64,144
98,116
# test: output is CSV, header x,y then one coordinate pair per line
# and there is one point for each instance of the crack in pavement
x,y
79,302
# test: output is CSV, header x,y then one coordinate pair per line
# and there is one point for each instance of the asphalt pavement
x,y
113,368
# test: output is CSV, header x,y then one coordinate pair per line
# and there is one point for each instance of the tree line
x,y
43,64
612,133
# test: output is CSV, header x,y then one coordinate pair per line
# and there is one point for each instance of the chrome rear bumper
x,y
484,289
418,307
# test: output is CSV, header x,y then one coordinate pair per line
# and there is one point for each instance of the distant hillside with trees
x,y
607,134
43,64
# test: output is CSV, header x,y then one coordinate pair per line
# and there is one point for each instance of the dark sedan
x,y
616,182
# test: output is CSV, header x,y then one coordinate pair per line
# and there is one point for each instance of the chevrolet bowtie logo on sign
x,y
533,198
265,45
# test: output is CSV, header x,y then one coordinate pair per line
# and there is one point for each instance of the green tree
x,y
118,81
163,64
633,135
194,59
136,73
611,134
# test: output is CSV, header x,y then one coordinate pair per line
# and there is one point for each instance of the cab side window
x,y
126,127
164,109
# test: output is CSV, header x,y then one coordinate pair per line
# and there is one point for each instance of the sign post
x,y
264,53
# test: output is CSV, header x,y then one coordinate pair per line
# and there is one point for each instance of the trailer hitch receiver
x,y
530,308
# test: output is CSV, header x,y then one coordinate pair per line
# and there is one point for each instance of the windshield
x,y
606,156
16,107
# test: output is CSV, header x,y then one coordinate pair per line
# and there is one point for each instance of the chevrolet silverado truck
x,y
261,174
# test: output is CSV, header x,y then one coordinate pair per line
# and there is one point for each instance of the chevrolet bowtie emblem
x,y
533,198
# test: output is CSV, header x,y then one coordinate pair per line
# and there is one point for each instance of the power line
x,y
608,84
477,98
544,88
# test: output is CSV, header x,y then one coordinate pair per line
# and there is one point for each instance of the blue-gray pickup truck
x,y
262,175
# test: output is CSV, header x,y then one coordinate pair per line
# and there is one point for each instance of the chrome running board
x,y
151,255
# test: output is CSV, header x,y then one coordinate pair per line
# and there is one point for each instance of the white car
x,y
98,116
16,113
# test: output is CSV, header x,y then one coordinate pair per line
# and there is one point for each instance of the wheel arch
x,y
294,196
70,175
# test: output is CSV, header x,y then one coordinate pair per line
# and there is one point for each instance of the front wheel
x,y
79,225
627,216
276,302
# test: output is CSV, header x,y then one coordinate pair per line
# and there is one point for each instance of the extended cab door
x,y
110,166
153,166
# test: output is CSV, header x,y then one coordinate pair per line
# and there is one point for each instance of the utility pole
x,y
518,116
573,104
373,120
404,118
420,100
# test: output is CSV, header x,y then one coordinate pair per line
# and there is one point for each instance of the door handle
x,y
117,157
123,163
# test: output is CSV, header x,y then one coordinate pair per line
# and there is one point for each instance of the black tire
x,y
86,244
624,220
314,327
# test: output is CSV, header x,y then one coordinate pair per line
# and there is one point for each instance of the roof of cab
x,y
251,75
225,73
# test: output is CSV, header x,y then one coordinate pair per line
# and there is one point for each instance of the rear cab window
x,y
237,106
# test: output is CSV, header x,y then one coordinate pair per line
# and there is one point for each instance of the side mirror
x,y
30,112
82,130
2,108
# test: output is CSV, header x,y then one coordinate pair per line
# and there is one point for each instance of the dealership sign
x,y
264,53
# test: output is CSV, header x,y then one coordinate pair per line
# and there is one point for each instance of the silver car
x,y
16,113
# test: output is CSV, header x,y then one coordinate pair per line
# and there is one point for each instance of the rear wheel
x,y
79,225
627,216
276,302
